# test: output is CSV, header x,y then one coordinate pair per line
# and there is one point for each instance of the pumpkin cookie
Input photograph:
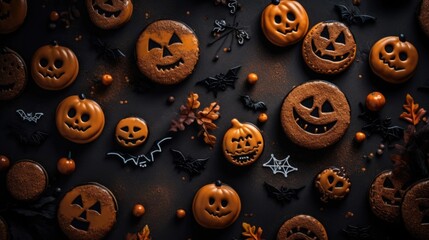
x,y
424,16
12,15
26,180
315,114
131,132
109,14
13,74
332,183
216,206
302,227
329,48
242,143
54,67
167,52
393,59
284,22
87,212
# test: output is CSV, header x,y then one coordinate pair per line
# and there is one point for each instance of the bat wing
x,y
232,73
259,106
273,191
361,19
178,157
344,12
124,157
22,113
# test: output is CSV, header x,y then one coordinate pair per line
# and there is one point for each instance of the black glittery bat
x,y
221,81
254,105
358,232
29,116
35,138
106,52
353,16
188,164
282,194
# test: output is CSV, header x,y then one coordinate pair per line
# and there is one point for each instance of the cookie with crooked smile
x,y
13,74
315,114
109,14
167,52
131,132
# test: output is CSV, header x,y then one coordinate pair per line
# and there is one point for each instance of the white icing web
x,y
280,166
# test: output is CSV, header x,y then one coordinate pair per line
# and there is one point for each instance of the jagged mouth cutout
x,y
244,157
5,16
6,87
51,70
302,233
217,215
72,114
171,66
287,31
103,12
389,64
314,112
128,141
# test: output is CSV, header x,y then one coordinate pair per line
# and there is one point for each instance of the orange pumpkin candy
x,y
131,132
12,15
79,120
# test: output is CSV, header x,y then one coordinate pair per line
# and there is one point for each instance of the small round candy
x,y
252,78
180,213
138,210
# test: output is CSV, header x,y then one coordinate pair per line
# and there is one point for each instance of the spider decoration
x,y
106,52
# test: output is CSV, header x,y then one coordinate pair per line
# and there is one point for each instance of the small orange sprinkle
x,y
106,79
360,137
180,213
138,210
252,78
263,117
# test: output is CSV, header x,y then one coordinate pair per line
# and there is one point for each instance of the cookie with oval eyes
x,y
302,227
131,132
109,14
12,15
333,184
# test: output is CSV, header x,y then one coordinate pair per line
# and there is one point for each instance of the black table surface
x,y
161,188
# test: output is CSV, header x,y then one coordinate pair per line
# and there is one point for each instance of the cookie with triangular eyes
x,y
13,74
302,227
12,15
109,14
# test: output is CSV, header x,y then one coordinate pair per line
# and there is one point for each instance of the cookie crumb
x,y
349,214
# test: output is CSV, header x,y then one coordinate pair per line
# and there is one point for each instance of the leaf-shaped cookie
x,y
250,232
413,114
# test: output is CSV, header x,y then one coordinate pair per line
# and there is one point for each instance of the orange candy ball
x,y
54,16
252,78
66,165
375,101
360,137
180,213
106,79
263,117
4,162
138,210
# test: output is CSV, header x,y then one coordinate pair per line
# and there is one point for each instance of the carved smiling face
x,y
12,15
216,206
285,23
109,14
131,132
167,51
315,114
329,48
79,120
13,74
415,209
393,59
332,183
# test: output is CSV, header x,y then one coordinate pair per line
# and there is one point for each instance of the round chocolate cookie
x,y
167,51
329,48
13,74
26,180
12,15
315,114
424,16
415,210
131,132
109,14
333,184
302,227
385,196
87,212
4,232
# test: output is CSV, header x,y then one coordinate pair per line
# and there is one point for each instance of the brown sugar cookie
x,y
329,48
109,14
79,119
393,59
332,183
54,67
415,210
385,196
167,51
424,16
131,132
26,180
12,15
242,143
315,114
216,205
87,212
284,22
13,74
302,227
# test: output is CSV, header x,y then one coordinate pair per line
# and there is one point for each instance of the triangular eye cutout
x,y
388,183
174,39
78,201
341,38
96,207
327,107
308,102
325,32
152,44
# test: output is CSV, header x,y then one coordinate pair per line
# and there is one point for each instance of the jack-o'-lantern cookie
x,y
167,52
109,14
131,132
329,48
302,227
393,59
242,143
54,67
216,205
315,114
332,184
79,119
13,74
87,212
12,15
424,16
284,22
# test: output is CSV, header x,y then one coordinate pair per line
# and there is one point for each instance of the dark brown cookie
x,y
315,114
302,227
385,196
12,15
329,48
26,180
13,74
415,210
167,51
87,212
424,16
109,14
332,184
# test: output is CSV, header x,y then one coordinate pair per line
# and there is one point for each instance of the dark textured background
x,y
160,187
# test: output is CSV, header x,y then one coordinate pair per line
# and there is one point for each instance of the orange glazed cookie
x,y
131,132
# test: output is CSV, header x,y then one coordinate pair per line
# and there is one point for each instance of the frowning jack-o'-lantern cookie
x,y
167,52
12,15
13,74
315,114
109,14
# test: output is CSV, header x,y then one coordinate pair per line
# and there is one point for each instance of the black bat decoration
x,y
35,138
282,194
106,52
254,105
188,164
29,116
353,16
221,81
358,232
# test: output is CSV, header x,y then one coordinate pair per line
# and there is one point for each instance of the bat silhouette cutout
x,y
29,116
188,164
353,16
254,105
221,82
106,52
35,138
282,194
